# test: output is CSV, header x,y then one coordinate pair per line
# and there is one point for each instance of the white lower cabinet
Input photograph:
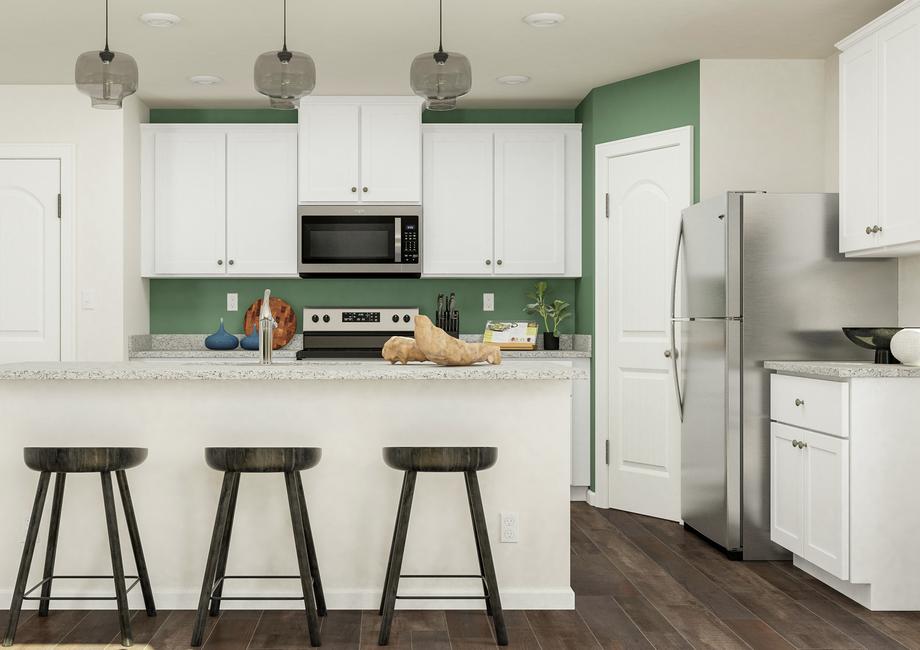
x,y
787,488
218,200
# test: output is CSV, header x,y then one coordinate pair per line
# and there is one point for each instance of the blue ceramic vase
x,y
251,342
221,339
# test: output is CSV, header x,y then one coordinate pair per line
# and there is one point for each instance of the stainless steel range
x,y
350,332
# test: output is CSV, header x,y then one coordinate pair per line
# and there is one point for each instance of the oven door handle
x,y
397,240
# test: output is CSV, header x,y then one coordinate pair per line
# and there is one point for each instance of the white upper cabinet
x,y
880,135
218,200
457,229
261,202
189,194
360,149
529,203
502,200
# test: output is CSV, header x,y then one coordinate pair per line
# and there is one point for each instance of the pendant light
x,y
285,76
107,77
441,77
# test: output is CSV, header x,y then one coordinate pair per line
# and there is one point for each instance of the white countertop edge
x,y
332,371
290,354
843,369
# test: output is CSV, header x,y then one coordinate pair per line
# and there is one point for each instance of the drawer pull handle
x,y
799,402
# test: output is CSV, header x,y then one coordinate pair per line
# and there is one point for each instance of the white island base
x,y
351,495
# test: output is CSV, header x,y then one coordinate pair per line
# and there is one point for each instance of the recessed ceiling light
x,y
545,19
205,79
513,79
157,19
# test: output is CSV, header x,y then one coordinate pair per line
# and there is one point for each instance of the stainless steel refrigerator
x,y
757,277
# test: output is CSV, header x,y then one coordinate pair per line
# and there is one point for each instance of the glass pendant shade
x,y
441,77
284,77
107,77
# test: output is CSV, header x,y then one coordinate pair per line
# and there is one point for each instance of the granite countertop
x,y
842,369
191,346
301,370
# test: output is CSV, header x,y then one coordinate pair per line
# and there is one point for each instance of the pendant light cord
x,y
284,36
106,25
440,25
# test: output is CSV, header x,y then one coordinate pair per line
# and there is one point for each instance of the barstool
x,y
468,460
233,461
62,461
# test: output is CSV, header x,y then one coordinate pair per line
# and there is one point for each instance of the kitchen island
x,y
351,410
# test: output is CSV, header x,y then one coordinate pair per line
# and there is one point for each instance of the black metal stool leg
x,y
135,536
485,556
482,572
225,549
402,496
396,557
207,583
118,570
51,550
311,548
303,560
26,562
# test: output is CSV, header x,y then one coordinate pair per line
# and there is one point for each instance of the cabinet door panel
x,y
261,199
189,198
899,130
787,479
529,203
859,146
827,503
329,152
457,230
391,141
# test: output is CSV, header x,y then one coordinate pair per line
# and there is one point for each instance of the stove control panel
x,y
359,319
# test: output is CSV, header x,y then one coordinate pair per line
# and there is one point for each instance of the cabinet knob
x,y
220,262
364,189
488,262
802,444
876,229
355,189
868,230
667,354
799,402
795,443
499,262
230,262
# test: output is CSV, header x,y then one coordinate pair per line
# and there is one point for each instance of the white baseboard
x,y
595,500
335,599
578,493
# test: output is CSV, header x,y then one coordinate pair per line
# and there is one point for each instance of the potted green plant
x,y
557,312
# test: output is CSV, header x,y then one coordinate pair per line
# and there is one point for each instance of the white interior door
x,y
30,259
648,180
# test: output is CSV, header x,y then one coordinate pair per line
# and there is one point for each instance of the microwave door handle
x,y
673,355
397,240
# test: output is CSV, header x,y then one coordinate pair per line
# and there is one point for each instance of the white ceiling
x,y
366,46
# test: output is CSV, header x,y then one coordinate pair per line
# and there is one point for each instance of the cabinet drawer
x,y
811,403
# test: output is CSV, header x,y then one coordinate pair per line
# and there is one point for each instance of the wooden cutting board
x,y
284,315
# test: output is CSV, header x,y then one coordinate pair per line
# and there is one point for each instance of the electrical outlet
x,y
488,302
510,533
233,302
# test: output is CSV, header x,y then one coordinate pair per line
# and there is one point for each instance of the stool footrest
x,y
398,597
26,596
485,589
218,583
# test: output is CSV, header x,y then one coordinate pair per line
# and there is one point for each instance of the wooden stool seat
x,y
262,459
83,459
440,459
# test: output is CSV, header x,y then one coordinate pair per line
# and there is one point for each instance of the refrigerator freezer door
x,y
711,259
709,356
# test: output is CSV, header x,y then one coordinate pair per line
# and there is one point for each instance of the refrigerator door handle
x,y
674,319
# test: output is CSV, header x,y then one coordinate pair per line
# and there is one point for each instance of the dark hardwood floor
x,y
639,583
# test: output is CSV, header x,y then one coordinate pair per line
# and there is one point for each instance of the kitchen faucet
x,y
267,325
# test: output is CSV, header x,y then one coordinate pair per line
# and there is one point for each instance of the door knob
x,y
667,354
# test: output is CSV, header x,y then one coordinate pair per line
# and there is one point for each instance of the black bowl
x,y
874,338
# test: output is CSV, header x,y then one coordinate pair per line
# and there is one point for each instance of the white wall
x,y
59,114
762,125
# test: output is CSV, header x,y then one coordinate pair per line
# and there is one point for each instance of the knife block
x,y
449,325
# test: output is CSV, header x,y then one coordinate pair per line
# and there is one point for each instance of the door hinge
x,y
606,452
59,206
607,205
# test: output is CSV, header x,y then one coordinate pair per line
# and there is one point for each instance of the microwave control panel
x,y
410,240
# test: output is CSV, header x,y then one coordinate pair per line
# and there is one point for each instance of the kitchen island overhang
x,y
351,410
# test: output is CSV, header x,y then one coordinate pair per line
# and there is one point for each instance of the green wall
x,y
194,306
660,100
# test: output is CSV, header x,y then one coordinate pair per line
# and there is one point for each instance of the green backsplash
x,y
195,306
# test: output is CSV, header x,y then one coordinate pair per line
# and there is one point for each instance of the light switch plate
x,y
488,302
88,299
233,302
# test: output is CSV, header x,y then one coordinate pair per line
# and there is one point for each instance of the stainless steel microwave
x,y
362,241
